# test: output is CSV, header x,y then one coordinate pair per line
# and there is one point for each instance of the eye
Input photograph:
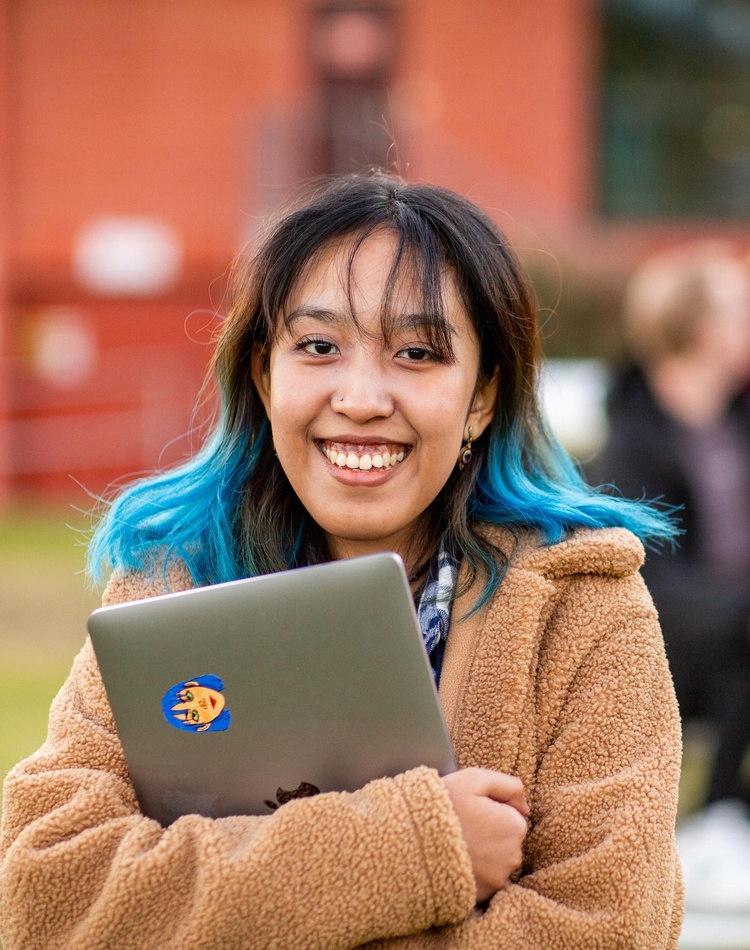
x,y
317,347
416,354
188,696
194,715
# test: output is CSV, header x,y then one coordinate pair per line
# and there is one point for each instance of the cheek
x,y
292,405
441,436
444,409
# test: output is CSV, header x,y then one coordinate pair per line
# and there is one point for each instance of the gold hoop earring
x,y
465,455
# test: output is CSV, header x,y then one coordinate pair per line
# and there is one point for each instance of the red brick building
x,y
141,141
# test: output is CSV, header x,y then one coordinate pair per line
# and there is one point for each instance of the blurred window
x,y
676,108
353,47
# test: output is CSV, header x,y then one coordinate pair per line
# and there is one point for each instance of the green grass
x,y
52,533
25,698
44,603
696,762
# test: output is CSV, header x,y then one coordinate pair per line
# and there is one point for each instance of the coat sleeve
x,y
81,867
600,868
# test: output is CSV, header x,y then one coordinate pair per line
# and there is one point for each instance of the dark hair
x,y
436,230
231,512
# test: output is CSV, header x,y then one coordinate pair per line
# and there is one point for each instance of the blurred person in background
x,y
680,433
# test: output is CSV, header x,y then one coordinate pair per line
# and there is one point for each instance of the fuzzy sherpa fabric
x,y
561,680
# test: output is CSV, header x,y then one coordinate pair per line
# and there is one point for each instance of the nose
x,y
362,392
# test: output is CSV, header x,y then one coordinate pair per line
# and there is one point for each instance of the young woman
x,y
378,383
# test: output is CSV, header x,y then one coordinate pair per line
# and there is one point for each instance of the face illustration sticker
x,y
197,705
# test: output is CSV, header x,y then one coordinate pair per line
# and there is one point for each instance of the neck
x,y
693,392
409,545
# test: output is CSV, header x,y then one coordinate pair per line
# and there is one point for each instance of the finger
x,y
497,786
505,788
520,804
517,800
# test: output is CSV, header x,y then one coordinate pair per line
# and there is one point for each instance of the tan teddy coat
x,y
562,681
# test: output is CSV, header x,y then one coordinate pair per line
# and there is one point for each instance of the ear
x,y
261,376
482,406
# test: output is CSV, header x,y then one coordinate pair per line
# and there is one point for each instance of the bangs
x,y
413,294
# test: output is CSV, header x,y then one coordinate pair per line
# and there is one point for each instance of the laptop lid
x,y
233,698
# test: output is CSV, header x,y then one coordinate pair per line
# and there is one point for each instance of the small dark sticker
x,y
197,705
303,790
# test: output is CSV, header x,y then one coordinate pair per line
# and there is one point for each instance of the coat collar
x,y
493,653
489,670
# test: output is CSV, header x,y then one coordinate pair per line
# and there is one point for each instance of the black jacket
x,y
642,460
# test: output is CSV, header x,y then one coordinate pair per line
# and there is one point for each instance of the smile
x,y
364,457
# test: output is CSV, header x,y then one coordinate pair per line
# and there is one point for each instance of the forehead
x,y
362,278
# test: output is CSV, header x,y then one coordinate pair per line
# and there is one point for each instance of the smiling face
x,y
367,428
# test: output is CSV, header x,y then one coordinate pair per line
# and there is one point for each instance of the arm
x,y
81,867
693,605
600,868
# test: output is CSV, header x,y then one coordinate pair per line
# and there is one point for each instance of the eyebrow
x,y
405,321
314,313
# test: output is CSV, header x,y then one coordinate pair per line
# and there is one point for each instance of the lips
x,y
365,456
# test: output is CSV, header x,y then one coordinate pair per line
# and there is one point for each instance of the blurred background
x,y
142,142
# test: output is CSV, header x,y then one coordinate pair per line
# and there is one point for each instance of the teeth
x,y
364,462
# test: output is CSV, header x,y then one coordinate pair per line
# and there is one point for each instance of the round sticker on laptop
x,y
197,705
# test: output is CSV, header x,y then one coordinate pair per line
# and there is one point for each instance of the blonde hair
x,y
669,295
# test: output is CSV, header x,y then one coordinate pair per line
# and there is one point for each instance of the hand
x,y
492,811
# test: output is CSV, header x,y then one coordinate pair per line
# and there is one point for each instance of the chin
x,y
386,539
369,539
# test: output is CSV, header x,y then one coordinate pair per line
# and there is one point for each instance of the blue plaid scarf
x,y
434,610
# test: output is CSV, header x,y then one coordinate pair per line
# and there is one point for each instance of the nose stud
x,y
341,398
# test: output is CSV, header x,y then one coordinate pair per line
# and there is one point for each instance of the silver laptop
x,y
235,698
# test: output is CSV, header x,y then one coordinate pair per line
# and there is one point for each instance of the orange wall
x,y
5,394
512,82
142,107
155,106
